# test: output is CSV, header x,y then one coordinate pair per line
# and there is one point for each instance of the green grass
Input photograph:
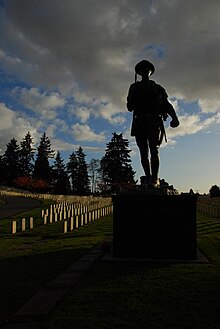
x,y
143,295
2,203
30,260
112,294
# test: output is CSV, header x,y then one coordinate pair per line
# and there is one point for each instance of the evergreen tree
x,y
42,167
60,176
82,173
11,160
2,170
72,167
26,156
78,171
116,170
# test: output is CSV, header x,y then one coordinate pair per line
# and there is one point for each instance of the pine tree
x,y
117,173
78,171
26,156
11,161
42,167
82,173
60,176
2,170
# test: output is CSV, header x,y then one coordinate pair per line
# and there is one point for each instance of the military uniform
x,y
150,106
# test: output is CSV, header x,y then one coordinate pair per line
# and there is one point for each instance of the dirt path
x,y
16,205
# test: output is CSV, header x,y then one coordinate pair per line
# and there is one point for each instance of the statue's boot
x,y
146,166
155,162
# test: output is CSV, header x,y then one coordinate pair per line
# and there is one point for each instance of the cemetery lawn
x,y
112,294
148,296
2,203
30,260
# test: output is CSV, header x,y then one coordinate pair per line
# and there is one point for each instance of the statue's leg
x,y
142,144
155,163
155,159
146,166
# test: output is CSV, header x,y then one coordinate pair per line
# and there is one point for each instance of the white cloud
x,y
189,124
84,133
53,127
13,126
60,145
210,105
192,124
110,112
82,113
42,103
7,117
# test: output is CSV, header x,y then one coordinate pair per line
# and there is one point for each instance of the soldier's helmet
x,y
144,66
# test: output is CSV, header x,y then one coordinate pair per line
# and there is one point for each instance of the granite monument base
x,y
154,226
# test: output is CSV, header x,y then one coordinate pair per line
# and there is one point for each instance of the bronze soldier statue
x,y
150,106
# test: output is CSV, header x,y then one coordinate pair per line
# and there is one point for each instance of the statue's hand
x,y
165,116
174,123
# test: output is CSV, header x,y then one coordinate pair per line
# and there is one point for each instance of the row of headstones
x,y
83,219
23,225
70,222
210,210
57,198
209,201
64,210
15,193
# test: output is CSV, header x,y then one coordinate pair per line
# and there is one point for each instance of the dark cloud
x,y
91,46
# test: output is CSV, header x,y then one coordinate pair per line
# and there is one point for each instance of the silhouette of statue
x,y
150,106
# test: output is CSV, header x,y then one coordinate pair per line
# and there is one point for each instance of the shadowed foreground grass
x,y
2,203
111,294
30,260
152,296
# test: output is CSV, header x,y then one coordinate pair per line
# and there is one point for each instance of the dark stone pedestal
x,y
154,226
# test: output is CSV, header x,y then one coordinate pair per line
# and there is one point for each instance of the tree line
x,y
43,170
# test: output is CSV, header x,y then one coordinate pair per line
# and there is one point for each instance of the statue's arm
x,y
169,109
130,105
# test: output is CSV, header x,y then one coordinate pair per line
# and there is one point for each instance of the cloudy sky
x,y
66,66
